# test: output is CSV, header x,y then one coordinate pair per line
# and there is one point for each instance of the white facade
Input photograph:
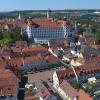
x,y
69,30
57,87
64,95
29,32
55,80
65,31
48,33
37,40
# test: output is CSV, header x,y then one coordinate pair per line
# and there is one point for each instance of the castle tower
x,y
19,16
48,14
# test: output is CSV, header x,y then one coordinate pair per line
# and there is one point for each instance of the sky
x,y
11,5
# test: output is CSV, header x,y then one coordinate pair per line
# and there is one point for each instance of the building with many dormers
x,y
46,29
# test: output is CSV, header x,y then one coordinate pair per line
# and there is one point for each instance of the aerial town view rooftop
x,y
49,50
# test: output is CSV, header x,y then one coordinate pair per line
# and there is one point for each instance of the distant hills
x,y
42,13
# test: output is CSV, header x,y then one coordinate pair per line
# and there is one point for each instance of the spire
x,y
19,17
49,14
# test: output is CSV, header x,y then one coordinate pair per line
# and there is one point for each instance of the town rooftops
x,y
68,89
12,23
21,44
34,48
48,23
8,83
7,74
83,96
45,90
28,51
93,61
14,49
68,73
51,58
89,52
18,62
41,91
89,39
61,42
2,64
31,95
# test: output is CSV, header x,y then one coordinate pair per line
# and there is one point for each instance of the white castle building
x,y
45,29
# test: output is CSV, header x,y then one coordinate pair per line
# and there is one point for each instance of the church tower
x,y
19,16
49,14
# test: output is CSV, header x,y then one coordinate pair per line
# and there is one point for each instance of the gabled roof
x,y
83,96
16,62
31,95
2,64
34,48
68,73
46,23
88,52
7,78
68,89
93,61
51,58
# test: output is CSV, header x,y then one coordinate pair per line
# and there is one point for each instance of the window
x,y
9,88
69,35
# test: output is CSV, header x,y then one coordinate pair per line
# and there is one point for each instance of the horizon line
x,y
51,9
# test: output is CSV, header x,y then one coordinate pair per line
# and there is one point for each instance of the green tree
x,y
75,84
97,34
15,33
5,41
5,34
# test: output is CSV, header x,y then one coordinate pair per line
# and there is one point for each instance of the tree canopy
x,y
10,36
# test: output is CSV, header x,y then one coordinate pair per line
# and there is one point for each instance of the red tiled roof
x,y
95,46
21,42
83,96
89,39
16,49
47,23
16,62
94,61
35,48
7,74
44,92
80,71
28,51
7,91
12,22
64,73
68,89
33,58
2,64
52,58
31,95
8,83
